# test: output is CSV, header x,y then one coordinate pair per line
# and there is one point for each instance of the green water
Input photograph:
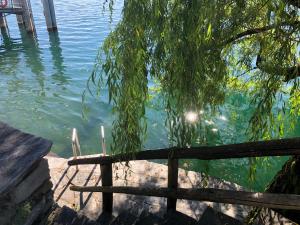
x,y
43,78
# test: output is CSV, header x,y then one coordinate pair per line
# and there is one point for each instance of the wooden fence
x,y
283,147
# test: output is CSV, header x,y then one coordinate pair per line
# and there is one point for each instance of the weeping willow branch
x,y
191,49
259,30
295,3
288,73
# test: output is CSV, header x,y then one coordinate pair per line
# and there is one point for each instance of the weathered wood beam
x,y
3,22
49,13
172,182
17,5
19,154
107,181
27,16
267,200
283,147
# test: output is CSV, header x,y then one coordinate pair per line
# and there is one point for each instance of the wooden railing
x,y
283,147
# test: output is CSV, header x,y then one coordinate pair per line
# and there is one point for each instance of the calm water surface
x,y
42,80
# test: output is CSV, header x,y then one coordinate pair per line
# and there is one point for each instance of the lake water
x,y
42,80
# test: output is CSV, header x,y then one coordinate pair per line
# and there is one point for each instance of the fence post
x,y
107,198
172,182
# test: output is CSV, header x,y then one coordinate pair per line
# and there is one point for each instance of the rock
x,y
67,216
212,217
124,218
36,212
148,219
7,210
178,218
32,182
62,216
105,218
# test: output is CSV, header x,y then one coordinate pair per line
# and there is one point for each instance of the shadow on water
x,y
10,60
6,42
58,60
33,59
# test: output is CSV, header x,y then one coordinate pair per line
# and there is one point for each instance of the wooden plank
x,y
172,182
17,5
18,11
282,147
266,200
19,152
107,198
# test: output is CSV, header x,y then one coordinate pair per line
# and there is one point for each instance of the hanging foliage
x,y
194,50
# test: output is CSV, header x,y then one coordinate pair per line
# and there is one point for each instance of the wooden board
x,y
267,200
19,152
18,11
281,147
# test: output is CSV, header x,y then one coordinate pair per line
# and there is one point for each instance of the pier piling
x,y
20,20
3,22
22,10
27,16
49,13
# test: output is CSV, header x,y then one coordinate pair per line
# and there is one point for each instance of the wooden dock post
x,y
49,13
20,20
3,22
27,16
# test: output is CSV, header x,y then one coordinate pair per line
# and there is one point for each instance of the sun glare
x,y
191,117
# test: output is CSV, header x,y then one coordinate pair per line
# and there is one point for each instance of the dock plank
x,y
19,152
18,11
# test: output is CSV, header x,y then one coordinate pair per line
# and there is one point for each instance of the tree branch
x,y
295,3
258,30
249,33
288,73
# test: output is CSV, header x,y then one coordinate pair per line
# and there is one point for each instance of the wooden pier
x,y
23,11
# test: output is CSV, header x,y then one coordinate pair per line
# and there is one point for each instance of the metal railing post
x,y
102,140
75,145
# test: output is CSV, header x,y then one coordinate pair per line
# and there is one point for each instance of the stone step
x,y
124,218
148,219
178,218
212,217
67,216
105,219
